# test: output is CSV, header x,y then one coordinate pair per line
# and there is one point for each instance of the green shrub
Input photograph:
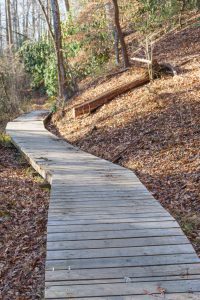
x,y
36,56
50,76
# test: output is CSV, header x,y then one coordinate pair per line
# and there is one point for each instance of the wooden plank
x,y
99,188
79,216
79,192
114,243
93,207
109,221
101,210
112,234
112,227
102,197
107,96
121,280
108,203
119,252
139,273
176,296
111,216
94,204
101,263
122,289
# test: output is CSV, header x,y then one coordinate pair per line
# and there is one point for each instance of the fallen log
x,y
107,96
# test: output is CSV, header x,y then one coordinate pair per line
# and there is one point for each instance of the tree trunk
x,y
66,84
33,20
49,16
7,34
67,6
63,92
120,35
1,32
9,23
27,20
16,29
110,16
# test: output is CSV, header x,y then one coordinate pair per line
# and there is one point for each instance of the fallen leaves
x,y
23,217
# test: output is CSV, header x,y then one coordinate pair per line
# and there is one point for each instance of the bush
x,y
50,76
36,57
40,61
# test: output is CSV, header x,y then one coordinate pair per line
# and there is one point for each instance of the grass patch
x,y
5,140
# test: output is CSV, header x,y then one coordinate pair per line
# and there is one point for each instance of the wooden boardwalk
x,y
108,238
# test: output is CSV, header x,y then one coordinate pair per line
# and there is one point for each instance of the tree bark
x,y
110,16
1,32
33,20
49,15
62,80
120,35
16,24
9,23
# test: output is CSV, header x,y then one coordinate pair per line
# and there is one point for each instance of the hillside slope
x,y
154,130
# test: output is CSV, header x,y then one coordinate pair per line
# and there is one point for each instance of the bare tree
x,y
63,92
66,89
47,17
9,23
33,19
120,35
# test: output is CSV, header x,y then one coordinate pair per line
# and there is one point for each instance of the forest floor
x,y
153,130
23,217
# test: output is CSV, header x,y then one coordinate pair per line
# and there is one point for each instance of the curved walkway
x,y
108,238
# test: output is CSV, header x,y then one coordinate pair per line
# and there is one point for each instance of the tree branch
x,y
47,19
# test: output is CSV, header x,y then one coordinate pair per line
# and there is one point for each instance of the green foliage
x,y
5,141
69,27
40,61
35,56
72,48
54,108
50,76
